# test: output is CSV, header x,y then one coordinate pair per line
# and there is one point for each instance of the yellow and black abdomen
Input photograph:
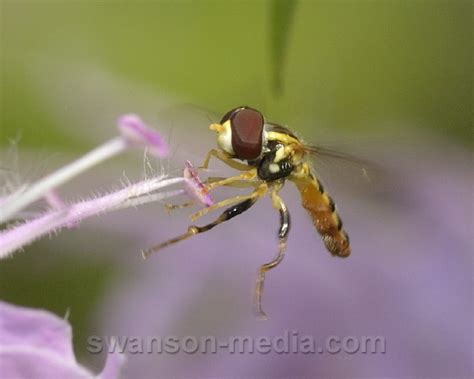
x,y
322,210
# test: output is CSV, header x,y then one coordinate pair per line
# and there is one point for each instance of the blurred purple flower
x,y
38,344
408,280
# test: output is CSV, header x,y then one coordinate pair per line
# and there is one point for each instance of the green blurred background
x,y
349,64
344,67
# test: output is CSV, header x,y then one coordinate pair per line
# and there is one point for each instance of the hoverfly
x,y
267,154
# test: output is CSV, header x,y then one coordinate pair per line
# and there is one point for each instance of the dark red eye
x,y
228,114
247,132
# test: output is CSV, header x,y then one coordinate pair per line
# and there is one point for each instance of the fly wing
x,y
322,210
342,170
326,156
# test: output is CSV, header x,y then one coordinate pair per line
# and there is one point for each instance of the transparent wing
x,y
345,169
322,155
334,161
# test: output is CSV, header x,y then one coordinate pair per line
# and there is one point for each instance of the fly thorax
x,y
275,164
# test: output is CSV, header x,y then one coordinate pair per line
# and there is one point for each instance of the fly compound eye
x,y
247,132
228,115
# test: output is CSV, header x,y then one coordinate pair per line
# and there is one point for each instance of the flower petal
x,y
38,344
34,328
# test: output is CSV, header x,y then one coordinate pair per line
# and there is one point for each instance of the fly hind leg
x,y
229,213
277,203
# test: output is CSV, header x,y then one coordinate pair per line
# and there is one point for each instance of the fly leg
x,y
257,192
172,207
243,180
239,183
278,204
244,176
226,158
229,213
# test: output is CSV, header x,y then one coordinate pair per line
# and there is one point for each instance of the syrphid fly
x,y
268,155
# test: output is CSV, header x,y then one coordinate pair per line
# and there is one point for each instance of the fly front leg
x,y
235,184
226,158
245,176
283,231
171,207
244,180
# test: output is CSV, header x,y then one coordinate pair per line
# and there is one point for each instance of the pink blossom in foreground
x,y
133,133
136,194
146,191
38,344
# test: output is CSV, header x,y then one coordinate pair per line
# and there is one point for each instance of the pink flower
x,y
133,133
38,344
52,221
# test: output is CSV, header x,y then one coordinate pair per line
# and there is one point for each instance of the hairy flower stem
x,y
133,195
